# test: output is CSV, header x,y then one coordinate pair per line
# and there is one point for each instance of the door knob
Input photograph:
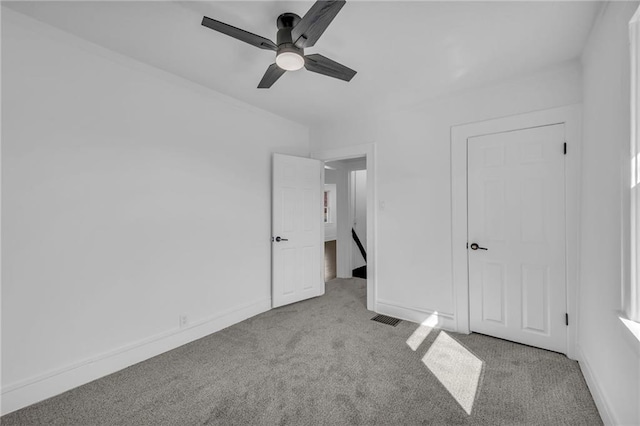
x,y
475,246
278,239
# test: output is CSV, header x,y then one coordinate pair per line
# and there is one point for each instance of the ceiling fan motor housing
x,y
285,23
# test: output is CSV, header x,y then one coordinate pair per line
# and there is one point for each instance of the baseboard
x,y
417,315
599,398
30,391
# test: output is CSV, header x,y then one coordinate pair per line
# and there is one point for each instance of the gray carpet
x,y
323,361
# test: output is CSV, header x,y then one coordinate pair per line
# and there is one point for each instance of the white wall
x,y
414,183
330,176
129,197
611,365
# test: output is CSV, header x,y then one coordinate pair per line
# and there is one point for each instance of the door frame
x,y
570,116
369,152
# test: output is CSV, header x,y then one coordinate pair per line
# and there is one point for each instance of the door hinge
x,y
565,148
566,319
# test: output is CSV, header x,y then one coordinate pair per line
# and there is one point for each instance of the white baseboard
x,y
30,391
417,315
599,398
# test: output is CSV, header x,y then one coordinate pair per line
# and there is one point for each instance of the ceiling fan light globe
x,y
289,61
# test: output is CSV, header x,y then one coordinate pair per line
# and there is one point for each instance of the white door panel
x,y
517,286
297,229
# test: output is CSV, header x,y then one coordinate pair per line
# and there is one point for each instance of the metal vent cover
x,y
386,320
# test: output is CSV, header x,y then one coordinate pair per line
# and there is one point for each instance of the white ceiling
x,y
404,52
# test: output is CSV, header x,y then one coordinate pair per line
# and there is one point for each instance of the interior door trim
x,y
570,116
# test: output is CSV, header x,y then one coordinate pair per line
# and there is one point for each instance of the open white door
x,y
297,229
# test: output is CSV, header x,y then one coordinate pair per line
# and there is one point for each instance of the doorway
x,y
365,155
358,214
568,118
330,219
330,261
346,222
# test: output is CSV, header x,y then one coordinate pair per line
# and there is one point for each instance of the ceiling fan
x,y
294,35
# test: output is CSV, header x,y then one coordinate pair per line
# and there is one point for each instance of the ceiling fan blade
x,y
323,65
272,74
247,37
314,22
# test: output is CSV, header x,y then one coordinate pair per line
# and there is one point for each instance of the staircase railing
x,y
359,244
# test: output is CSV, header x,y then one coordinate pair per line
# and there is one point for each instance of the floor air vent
x,y
386,320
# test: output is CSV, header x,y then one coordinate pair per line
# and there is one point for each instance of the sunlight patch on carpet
x,y
456,368
420,334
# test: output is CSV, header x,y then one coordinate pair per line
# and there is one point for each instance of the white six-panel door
x,y
297,229
516,210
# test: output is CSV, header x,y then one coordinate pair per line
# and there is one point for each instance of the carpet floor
x,y
323,361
